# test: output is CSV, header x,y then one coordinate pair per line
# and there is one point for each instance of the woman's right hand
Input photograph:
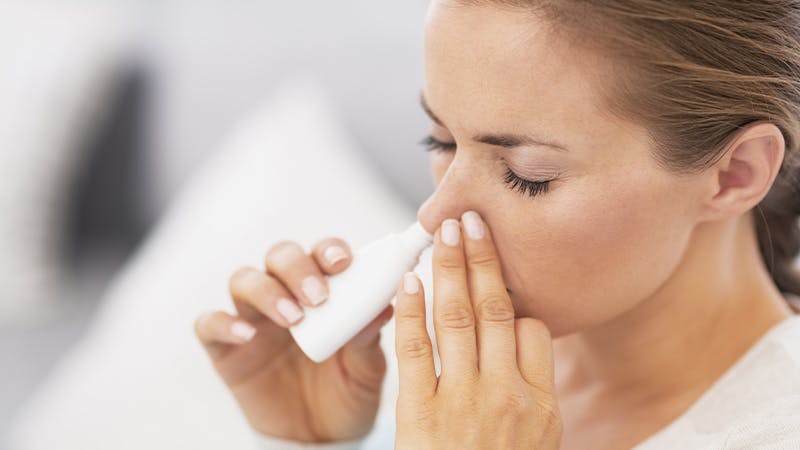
x,y
280,390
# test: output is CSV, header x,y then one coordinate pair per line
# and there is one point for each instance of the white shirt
x,y
755,404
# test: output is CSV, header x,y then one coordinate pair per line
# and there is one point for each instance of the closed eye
x,y
525,187
431,144
511,179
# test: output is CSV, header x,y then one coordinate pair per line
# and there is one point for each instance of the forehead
x,y
503,69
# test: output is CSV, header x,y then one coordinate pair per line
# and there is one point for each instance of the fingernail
x,y
410,283
450,232
243,330
314,290
289,310
334,254
472,224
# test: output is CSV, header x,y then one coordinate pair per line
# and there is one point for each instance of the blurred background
x,y
108,110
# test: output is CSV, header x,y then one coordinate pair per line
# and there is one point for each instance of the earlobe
x,y
747,170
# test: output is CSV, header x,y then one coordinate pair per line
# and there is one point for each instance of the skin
x,y
495,389
281,392
598,290
629,265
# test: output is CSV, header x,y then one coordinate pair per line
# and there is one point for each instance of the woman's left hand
x,y
496,387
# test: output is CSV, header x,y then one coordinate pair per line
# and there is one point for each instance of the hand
x,y
496,387
282,392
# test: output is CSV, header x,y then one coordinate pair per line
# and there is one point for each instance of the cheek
x,y
587,257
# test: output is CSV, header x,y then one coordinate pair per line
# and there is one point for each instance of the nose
x,y
452,197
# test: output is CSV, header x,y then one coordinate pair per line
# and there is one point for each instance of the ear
x,y
745,173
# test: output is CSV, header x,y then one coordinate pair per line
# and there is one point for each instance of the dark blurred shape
x,y
105,209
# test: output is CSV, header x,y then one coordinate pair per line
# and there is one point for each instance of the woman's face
x,y
611,227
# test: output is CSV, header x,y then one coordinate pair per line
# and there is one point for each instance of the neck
x,y
716,305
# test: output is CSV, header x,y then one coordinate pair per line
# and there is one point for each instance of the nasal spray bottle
x,y
359,293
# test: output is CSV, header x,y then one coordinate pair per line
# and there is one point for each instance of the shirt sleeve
x,y
266,442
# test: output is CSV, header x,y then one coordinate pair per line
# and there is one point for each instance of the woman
x,y
626,175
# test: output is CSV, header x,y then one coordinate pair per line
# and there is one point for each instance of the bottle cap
x,y
416,237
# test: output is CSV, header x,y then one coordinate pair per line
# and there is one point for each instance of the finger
x,y
332,255
219,332
535,354
370,333
416,372
452,311
494,312
298,271
363,355
257,294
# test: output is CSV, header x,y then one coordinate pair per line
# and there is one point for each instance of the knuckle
x,y
205,321
451,265
456,316
482,259
405,313
282,253
416,347
463,402
514,403
496,308
549,416
242,281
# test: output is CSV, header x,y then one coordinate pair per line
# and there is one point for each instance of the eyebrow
x,y
500,140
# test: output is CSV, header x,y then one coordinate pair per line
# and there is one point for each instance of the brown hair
x,y
694,73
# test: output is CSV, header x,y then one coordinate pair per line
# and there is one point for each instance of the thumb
x,y
535,354
362,356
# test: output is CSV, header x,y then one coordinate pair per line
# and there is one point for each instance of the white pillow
x,y
59,63
139,379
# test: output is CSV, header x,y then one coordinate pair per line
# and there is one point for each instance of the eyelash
x,y
512,180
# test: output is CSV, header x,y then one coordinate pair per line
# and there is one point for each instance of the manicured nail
x,y
243,330
334,254
314,290
450,232
472,224
410,283
289,310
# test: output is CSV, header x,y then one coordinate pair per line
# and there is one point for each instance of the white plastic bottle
x,y
359,293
